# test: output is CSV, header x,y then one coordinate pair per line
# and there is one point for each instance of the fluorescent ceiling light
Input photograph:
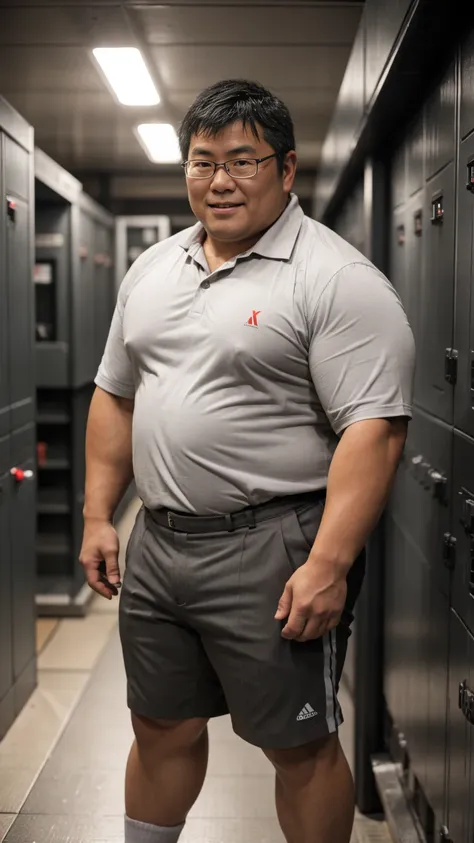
x,y
160,142
127,75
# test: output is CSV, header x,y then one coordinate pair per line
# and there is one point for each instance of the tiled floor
x,y
62,763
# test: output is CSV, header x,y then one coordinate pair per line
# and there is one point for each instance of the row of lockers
x,y
429,564
428,597
17,409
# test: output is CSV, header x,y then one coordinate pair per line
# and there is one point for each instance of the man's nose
x,y
221,179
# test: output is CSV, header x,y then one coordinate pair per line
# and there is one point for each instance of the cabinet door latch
x,y
449,549
451,365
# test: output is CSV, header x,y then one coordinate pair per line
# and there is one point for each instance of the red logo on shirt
x,y
253,321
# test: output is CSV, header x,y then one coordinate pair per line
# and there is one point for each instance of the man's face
x,y
255,203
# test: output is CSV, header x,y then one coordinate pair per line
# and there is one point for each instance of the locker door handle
x,y
466,702
19,475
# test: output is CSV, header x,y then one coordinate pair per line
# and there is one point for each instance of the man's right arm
x,y
109,468
109,472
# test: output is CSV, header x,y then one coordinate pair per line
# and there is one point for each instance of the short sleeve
x,y
361,348
115,374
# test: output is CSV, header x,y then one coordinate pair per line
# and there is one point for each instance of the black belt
x,y
247,517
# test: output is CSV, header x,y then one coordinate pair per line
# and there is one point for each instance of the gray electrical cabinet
x,y
75,298
17,412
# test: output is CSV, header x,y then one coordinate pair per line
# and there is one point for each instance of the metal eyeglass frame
x,y
224,164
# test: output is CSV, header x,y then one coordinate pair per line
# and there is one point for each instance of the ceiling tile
x,y
252,25
54,68
271,66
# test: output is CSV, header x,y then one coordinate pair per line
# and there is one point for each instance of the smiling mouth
x,y
225,205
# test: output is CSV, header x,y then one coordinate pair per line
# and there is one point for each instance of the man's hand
x,y
313,601
100,547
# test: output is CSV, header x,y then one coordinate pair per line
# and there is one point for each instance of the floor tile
x,y
78,643
232,831
15,784
78,793
5,822
45,628
235,797
38,726
66,829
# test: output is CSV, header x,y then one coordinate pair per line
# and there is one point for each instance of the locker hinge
x,y
449,549
444,835
451,365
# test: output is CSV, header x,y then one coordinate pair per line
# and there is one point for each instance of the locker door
x,y
20,288
463,528
83,301
440,125
464,327
4,388
22,550
414,264
467,86
398,253
459,733
437,655
6,666
436,298
101,293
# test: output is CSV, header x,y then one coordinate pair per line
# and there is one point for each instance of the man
x,y
266,367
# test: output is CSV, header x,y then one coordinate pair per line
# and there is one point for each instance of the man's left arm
x,y
359,482
362,359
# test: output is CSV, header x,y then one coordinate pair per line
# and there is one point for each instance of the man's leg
x,y
314,792
165,773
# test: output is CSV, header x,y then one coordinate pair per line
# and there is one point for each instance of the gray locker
x,y
399,175
4,369
464,327
460,732
433,389
53,332
398,254
23,502
83,311
415,227
415,144
440,113
20,292
467,86
437,656
6,660
463,528
406,677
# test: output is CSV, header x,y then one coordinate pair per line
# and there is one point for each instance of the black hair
x,y
234,100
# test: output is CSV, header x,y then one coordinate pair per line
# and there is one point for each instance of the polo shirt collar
x,y
277,243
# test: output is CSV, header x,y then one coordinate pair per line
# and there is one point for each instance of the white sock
x,y
137,832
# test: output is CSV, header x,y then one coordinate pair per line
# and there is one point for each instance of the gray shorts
x,y
199,636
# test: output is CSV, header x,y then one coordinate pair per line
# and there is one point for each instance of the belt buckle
x,y
170,521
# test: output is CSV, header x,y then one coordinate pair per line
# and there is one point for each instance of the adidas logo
x,y
306,712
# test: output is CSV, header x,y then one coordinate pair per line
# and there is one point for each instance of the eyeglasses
x,y
238,168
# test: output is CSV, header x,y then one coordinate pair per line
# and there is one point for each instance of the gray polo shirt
x,y
244,378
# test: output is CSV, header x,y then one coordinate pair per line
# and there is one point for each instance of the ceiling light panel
x,y
127,75
160,142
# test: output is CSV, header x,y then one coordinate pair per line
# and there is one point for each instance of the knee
x,y
301,761
167,735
